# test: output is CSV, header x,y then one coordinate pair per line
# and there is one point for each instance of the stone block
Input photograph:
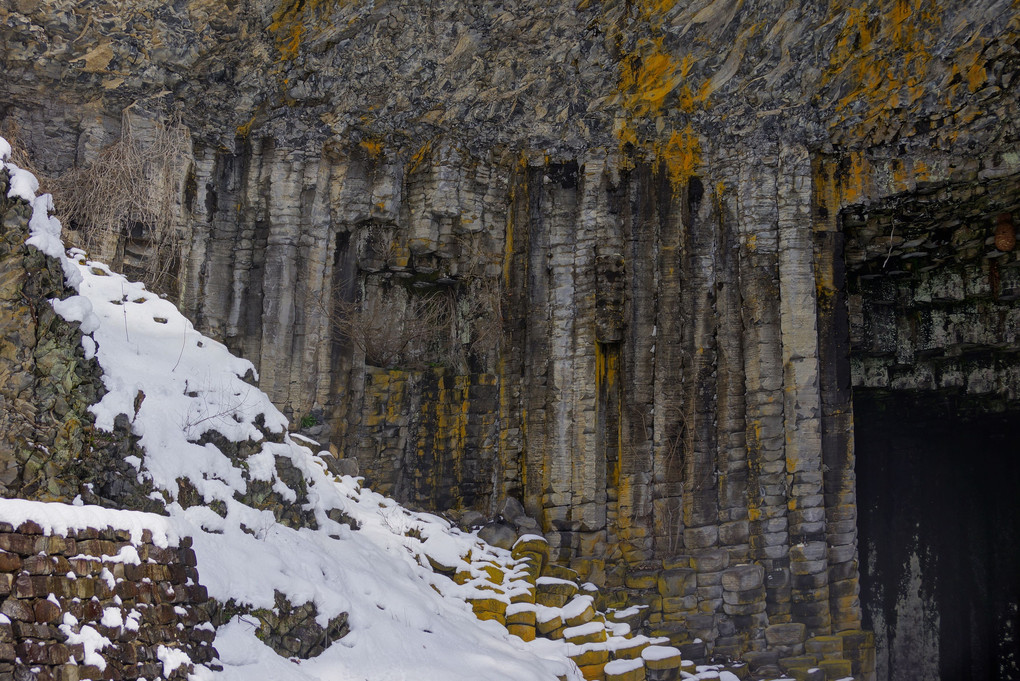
x,y
836,669
744,597
777,578
809,582
801,662
693,651
824,647
590,632
554,593
589,656
710,560
679,604
677,582
593,672
625,670
710,605
743,577
705,593
808,567
841,554
46,611
559,572
785,634
630,649
808,551
547,626
489,608
9,562
658,657
523,631
515,614
843,571
759,659
845,588
733,533
747,609
531,545
675,562
642,579
701,537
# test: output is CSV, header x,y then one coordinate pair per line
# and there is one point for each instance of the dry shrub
x,y
124,206
483,312
398,333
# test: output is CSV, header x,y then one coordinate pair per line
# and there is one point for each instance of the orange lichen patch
x,y
647,77
244,129
374,147
921,173
882,52
852,178
976,74
681,156
419,156
289,23
902,28
655,9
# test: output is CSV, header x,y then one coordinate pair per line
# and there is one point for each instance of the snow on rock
x,y
172,658
61,518
91,640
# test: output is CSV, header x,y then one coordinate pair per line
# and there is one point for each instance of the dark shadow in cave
x,y
941,479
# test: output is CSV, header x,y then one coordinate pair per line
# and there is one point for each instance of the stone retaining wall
x,y
60,593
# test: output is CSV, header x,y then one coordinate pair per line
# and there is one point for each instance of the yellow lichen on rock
x,y
681,156
289,23
647,77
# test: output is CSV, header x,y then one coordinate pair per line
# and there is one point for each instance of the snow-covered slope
x,y
175,385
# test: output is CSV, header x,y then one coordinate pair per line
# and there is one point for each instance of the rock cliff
x,y
606,241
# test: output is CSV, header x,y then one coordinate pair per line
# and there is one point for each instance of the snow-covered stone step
x,y
489,609
521,620
532,546
630,648
662,663
548,620
634,615
554,592
625,670
591,658
590,632
579,610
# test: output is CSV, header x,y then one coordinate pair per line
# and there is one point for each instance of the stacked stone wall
x,y
60,592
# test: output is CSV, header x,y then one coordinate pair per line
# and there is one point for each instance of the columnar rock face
x,y
590,257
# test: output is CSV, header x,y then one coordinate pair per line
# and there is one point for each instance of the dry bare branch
x,y
123,207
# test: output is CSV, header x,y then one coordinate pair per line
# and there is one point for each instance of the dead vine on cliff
x,y
393,332
124,205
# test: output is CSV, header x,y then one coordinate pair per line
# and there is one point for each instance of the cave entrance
x,y
939,527
933,287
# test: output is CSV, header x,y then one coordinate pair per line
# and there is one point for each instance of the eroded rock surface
x,y
607,240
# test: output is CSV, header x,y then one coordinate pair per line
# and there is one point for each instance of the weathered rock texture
x,y
49,449
623,224
54,587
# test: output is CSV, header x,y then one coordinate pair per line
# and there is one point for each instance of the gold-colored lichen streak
x,y
681,155
882,60
291,19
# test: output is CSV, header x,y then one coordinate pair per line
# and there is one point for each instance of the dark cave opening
x,y
939,486
934,338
